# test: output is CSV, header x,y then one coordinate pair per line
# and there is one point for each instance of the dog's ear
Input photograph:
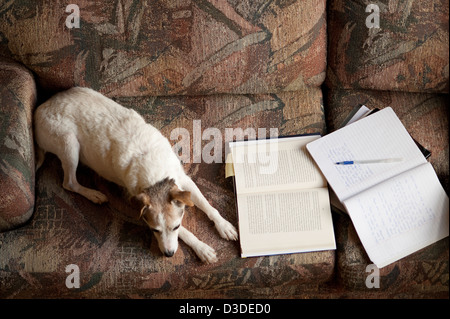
x,y
181,197
143,199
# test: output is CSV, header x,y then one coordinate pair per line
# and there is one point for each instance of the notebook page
x,y
379,136
401,215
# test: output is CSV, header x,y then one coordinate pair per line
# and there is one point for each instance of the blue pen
x,y
385,160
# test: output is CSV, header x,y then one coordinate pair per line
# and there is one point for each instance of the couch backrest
x,y
409,51
134,47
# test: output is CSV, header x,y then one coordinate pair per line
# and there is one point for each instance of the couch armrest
x,y
17,178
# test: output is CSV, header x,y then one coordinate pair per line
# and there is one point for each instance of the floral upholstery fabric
x,y
408,52
298,66
117,255
17,98
133,47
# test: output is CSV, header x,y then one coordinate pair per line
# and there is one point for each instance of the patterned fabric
x,y
118,257
409,52
17,99
214,64
134,47
134,51
424,273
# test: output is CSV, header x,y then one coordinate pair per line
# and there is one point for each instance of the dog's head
x,y
162,210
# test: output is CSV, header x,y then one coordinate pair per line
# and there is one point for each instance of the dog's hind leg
x,y
69,156
224,227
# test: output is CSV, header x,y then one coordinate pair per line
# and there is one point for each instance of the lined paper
x,y
397,208
379,136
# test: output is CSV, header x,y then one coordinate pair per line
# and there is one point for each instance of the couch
x,y
299,66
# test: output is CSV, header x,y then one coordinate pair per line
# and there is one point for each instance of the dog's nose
x,y
169,253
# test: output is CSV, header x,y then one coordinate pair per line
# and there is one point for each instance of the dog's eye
x,y
176,227
154,230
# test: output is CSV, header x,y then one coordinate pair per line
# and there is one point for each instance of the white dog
x,y
81,124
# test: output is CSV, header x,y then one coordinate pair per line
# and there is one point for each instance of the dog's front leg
x,y
206,253
224,227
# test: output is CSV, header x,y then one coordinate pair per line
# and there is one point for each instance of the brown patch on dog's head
x,y
180,197
163,193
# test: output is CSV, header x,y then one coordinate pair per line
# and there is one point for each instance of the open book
x,y
396,207
282,198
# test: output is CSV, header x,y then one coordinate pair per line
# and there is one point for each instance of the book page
x,y
285,222
401,215
282,163
379,136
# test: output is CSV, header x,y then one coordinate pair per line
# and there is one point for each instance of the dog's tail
x,y
40,156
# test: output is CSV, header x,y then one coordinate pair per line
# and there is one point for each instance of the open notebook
x,y
397,208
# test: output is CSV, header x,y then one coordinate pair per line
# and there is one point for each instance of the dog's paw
x,y
97,197
226,230
206,253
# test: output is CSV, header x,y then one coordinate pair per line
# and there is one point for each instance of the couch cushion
x,y
426,272
17,101
409,52
423,274
132,48
118,257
